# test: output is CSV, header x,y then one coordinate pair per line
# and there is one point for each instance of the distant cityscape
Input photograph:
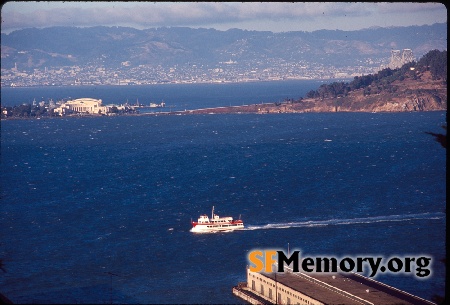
x,y
223,72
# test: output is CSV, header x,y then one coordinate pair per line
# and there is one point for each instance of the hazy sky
x,y
261,16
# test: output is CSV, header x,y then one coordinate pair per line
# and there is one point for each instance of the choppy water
x,y
98,210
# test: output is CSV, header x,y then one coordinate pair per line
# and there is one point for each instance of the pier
x,y
320,289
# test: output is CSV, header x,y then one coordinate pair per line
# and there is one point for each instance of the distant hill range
x,y
112,46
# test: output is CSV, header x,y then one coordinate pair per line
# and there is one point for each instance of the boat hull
x,y
211,228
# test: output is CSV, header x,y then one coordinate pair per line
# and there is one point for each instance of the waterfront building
x,y
319,289
82,105
85,105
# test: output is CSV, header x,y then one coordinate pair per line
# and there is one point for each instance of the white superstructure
x,y
204,224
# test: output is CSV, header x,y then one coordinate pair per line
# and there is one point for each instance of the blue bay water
x,y
98,210
175,96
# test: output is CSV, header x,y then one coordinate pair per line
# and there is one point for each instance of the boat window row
x,y
220,226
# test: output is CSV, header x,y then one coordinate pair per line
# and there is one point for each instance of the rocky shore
x,y
424,94
414,103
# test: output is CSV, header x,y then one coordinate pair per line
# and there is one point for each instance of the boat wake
x,y
335,222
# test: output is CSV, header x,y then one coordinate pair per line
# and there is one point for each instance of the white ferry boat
x,y
204,224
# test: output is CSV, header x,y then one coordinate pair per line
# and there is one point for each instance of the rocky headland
x,y
418,93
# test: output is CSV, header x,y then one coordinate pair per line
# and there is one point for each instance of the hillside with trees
x,y
435,62
416,86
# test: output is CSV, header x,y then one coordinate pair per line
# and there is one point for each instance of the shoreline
x,y
183,83
245,109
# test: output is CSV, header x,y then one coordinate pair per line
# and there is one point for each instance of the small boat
x,y
204,224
